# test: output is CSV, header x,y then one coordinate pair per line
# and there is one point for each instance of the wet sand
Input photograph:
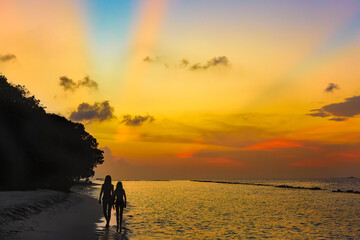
x,y
48,215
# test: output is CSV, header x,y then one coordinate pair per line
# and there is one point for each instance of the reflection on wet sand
x,y
110,232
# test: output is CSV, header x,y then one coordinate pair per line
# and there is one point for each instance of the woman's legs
x,y
107,212
104,210
117,217
121,215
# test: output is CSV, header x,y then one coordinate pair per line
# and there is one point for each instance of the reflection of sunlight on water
x,y
192,210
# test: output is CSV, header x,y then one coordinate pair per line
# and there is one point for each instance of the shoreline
x,y
48,214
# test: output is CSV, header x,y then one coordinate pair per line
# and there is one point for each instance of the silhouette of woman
x,y
120,204
107,190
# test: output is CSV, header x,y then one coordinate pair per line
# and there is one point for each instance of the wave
x,y
20,205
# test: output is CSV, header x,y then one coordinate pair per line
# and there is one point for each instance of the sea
x,y
237,209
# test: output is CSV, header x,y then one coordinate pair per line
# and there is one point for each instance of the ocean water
x,y
208,210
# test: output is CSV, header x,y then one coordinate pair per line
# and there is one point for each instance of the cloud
x,y
339,111
216,61
331,87
349,108
293,160
99,111
338,119
217,148
318,113
87,82
156,59
136,120
223,60
196,66
7,58
148,59
185,63
69,84
274,144
313,160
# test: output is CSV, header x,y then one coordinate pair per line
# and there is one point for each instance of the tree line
x,y
40,149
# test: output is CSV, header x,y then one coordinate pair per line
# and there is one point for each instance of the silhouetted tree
x,y
38,149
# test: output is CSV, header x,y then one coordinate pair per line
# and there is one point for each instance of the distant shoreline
x,y
277,186
260,184
207,179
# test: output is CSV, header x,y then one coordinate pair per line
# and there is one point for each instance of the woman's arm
x,y
101,192
124,199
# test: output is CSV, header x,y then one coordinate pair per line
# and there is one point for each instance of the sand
x,y
46,214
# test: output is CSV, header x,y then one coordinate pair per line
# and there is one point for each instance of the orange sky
x,y
203,89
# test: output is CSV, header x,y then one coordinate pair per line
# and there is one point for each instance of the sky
x,y
180,89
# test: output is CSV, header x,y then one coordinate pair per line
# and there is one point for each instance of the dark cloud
x,y
331,87
349,108
99,111
216,61
185,63
196,66
223,60
69,84
148,59
87,82
318,113
339,111
157,59
136,120
338,119
7,57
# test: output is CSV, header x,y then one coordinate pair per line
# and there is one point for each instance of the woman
x,y
120,203
107,190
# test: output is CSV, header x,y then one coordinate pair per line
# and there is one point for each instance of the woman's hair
x,y
119,185
107,180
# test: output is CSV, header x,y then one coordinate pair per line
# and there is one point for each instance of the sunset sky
x,y
179,89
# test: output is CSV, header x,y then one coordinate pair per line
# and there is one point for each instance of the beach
x,y
47,214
